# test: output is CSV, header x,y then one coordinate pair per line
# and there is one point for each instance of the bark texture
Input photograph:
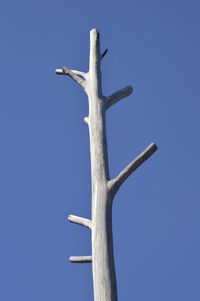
x,y
103,188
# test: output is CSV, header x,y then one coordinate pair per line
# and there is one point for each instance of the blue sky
x,y
44,147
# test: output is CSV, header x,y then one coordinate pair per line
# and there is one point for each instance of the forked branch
x,y
77,76
117,96
131,167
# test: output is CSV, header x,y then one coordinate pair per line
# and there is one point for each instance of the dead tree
x,y
103,188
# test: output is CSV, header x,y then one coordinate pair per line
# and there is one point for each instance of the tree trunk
x,y
103,188
102,245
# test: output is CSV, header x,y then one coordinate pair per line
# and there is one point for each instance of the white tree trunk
x,y
103,188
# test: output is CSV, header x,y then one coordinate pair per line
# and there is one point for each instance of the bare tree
x,y
103,188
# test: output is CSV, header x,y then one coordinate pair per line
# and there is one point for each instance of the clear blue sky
x,y
44,147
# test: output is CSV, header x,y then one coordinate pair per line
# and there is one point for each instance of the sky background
x,y
44,147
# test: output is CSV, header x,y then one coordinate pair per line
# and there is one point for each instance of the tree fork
x,y
103,188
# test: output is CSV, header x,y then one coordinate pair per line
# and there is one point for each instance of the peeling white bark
x,y
103,188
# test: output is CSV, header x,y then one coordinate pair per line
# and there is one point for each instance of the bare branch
x,y
77,76
117,96
104,53
80,259
80,73
129,169
80,220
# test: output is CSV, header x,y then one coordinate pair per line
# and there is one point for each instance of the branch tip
x,y
59,71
